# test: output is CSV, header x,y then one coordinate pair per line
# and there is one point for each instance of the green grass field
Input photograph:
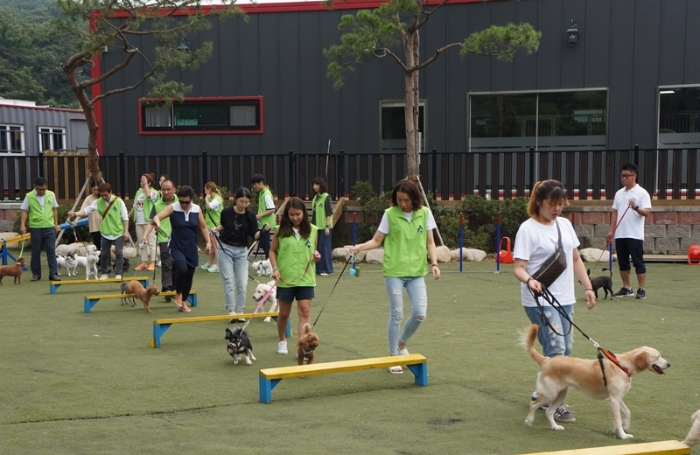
x,y
76,383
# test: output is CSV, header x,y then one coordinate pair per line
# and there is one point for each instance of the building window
x,y
12,139
679,117
52,139
393,126
545,120
237,115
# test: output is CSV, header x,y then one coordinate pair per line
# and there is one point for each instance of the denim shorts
x,y
300,293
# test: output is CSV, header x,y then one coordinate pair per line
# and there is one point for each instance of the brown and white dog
x,y
559,373
13,270
141,293
307,344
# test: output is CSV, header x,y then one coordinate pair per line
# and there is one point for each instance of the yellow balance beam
x,y
341,366
645,448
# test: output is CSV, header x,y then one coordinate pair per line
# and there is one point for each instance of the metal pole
x,y
435,173
122,174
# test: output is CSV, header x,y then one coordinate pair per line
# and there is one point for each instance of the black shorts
x,y
300,293
634,248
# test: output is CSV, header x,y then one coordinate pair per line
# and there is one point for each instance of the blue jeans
x,y
43,238
415,287
233,267
553,344
325,265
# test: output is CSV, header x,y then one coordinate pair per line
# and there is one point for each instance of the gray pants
x,y
105,256
166,264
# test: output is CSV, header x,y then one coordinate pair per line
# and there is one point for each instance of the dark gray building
x,y
631,77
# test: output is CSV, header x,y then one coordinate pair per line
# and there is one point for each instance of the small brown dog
x,y
306,345
141,293
13,270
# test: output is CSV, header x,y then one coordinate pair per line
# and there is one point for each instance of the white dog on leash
x,y
69,262
89,262
263,267
260,291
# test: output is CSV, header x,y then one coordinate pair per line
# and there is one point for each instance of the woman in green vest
x,y
322,218
144,199
293,256
213,205
266,212
407,231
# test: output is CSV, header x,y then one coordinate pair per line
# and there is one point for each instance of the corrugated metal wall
x,y
32,118
629,47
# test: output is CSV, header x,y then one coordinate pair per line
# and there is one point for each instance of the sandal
x,y
185,309
396,369
403,351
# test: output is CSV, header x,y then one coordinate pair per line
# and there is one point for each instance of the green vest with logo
x,y
269,219
405,247
213,217
165,228
38,218
147,203
319,204
293,256
112,223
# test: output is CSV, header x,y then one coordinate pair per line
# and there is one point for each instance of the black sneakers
x,y
624,292
562,413
641,294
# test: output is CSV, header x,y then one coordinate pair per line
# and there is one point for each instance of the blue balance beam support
x,y
420,371
160,329
266,386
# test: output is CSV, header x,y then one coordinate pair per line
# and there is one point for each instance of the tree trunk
x,y
411,108
89,111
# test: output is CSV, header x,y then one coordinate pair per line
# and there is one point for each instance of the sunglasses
x,y
184,202
624,176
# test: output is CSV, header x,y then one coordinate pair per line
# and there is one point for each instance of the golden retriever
x,y
559,373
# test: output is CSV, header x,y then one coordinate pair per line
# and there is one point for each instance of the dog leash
x,y
612,236
554,303
351,258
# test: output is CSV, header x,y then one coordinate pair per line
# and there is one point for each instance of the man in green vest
x,y
167,196
266,212
39,206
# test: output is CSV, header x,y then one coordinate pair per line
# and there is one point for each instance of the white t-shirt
x,y
25,203
384,224
124,215
535,243
632,225
139,206
269,203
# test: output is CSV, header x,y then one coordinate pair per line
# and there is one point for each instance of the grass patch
x,y
89,383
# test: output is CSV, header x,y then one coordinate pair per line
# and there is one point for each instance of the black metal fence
x,y
594,175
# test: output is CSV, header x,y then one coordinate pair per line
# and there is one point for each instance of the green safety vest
x,y
269,219
213,217
38,218
112,223
292,258
320,207
147,204
405,247
165,228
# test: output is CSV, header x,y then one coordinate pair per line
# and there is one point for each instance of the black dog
x,y
237,344
604,282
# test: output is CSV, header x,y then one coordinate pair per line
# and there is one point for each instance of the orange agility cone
x,y
506,256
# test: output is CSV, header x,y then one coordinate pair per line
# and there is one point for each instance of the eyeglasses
x,y
184,202
624,176
242,202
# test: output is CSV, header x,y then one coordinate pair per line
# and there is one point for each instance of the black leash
x,y
350,258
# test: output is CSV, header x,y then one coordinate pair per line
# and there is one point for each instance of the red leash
x,y
612,236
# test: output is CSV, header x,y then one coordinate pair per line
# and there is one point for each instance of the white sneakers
x,y
104,277
206,266
282,348
117,277
213,269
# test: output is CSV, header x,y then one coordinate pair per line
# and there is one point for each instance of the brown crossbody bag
x,y
553,266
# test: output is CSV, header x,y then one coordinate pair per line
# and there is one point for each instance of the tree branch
x,y
435,56
90,82
382,52
429,13
125,89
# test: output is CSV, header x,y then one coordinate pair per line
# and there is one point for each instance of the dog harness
x,y
604,352
307,353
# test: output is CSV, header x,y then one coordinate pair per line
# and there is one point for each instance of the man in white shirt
x,y
631,205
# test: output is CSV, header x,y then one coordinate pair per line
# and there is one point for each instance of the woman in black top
x,y
237,224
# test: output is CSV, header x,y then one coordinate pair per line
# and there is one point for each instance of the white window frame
x,y
423,103
52,131
5,130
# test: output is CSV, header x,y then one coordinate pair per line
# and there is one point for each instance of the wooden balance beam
x,y
270,377
160,326
645,448
91,300
54,285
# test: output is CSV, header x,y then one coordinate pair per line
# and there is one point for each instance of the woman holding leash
x,y
213,205
407,231
293,256
144,199
538,241
238,223
322,218
185,218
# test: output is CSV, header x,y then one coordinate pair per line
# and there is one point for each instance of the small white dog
x,y
693,436
263,267
260,292
68,261
91,260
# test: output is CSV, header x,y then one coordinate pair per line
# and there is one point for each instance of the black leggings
x,y
183,275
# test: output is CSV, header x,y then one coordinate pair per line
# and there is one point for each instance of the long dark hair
x,y
322,185
286,226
